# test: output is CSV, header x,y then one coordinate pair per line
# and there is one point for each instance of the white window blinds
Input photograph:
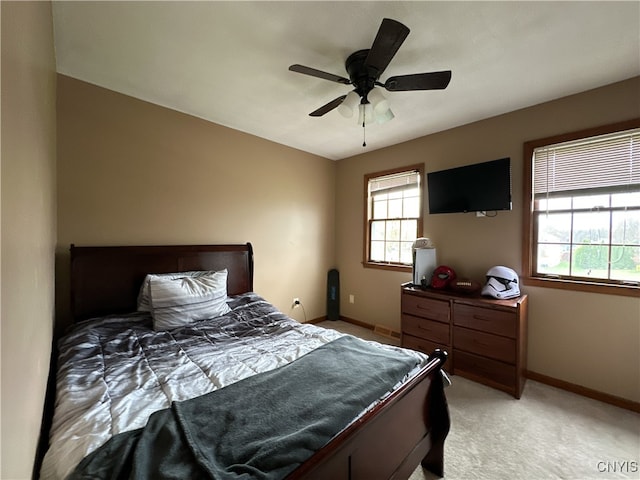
x,y
608,162
396,181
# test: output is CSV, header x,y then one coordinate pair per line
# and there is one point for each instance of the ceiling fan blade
x,y
319,74
390,36
328,107
419,81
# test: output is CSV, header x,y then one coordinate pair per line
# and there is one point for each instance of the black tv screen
x,y
480,187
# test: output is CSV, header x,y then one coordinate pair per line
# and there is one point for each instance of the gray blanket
x,y
261,427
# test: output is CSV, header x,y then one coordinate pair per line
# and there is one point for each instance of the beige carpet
x,y
547,434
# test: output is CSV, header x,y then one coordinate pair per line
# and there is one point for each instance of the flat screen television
x,y
480,187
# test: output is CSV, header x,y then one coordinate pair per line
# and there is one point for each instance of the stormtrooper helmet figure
x,y
502,283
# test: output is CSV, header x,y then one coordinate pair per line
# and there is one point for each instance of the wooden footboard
x,y
391,440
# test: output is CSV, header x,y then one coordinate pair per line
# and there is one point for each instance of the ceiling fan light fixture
x,y
378,100
384,117
366,114
347,107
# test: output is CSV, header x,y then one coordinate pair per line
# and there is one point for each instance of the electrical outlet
x,y
296,302
481,214
352,298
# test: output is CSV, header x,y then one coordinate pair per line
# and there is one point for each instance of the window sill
x,y
388,266
576,285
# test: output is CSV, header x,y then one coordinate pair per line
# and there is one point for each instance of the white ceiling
x,y
227,62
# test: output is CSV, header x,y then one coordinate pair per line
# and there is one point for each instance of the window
x,y
393,213
582,210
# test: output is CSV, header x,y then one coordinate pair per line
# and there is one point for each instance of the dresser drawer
x,y
428,329
486,319
486,368
422,345
485,344
426,307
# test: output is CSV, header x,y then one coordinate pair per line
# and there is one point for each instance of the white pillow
x,y
179,301
144,298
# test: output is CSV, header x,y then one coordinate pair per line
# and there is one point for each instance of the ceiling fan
x,y
365,67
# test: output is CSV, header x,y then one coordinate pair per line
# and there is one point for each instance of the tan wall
x,y
130,172
28,227
588,339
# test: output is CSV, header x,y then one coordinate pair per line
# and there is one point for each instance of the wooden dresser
x,y
486,338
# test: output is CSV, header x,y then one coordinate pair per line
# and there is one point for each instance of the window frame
x,y
529,249
419,167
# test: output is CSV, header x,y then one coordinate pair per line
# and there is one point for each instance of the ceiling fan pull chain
x,y
364,135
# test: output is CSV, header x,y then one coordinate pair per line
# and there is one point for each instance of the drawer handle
x,y
481,318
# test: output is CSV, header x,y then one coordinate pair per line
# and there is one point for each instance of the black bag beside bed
x,y
260,427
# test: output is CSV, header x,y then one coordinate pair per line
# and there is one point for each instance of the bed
x,y
129,392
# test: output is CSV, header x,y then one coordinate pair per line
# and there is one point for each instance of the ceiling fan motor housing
x,y
363,78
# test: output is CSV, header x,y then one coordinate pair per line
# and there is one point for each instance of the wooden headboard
x,y
107,280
